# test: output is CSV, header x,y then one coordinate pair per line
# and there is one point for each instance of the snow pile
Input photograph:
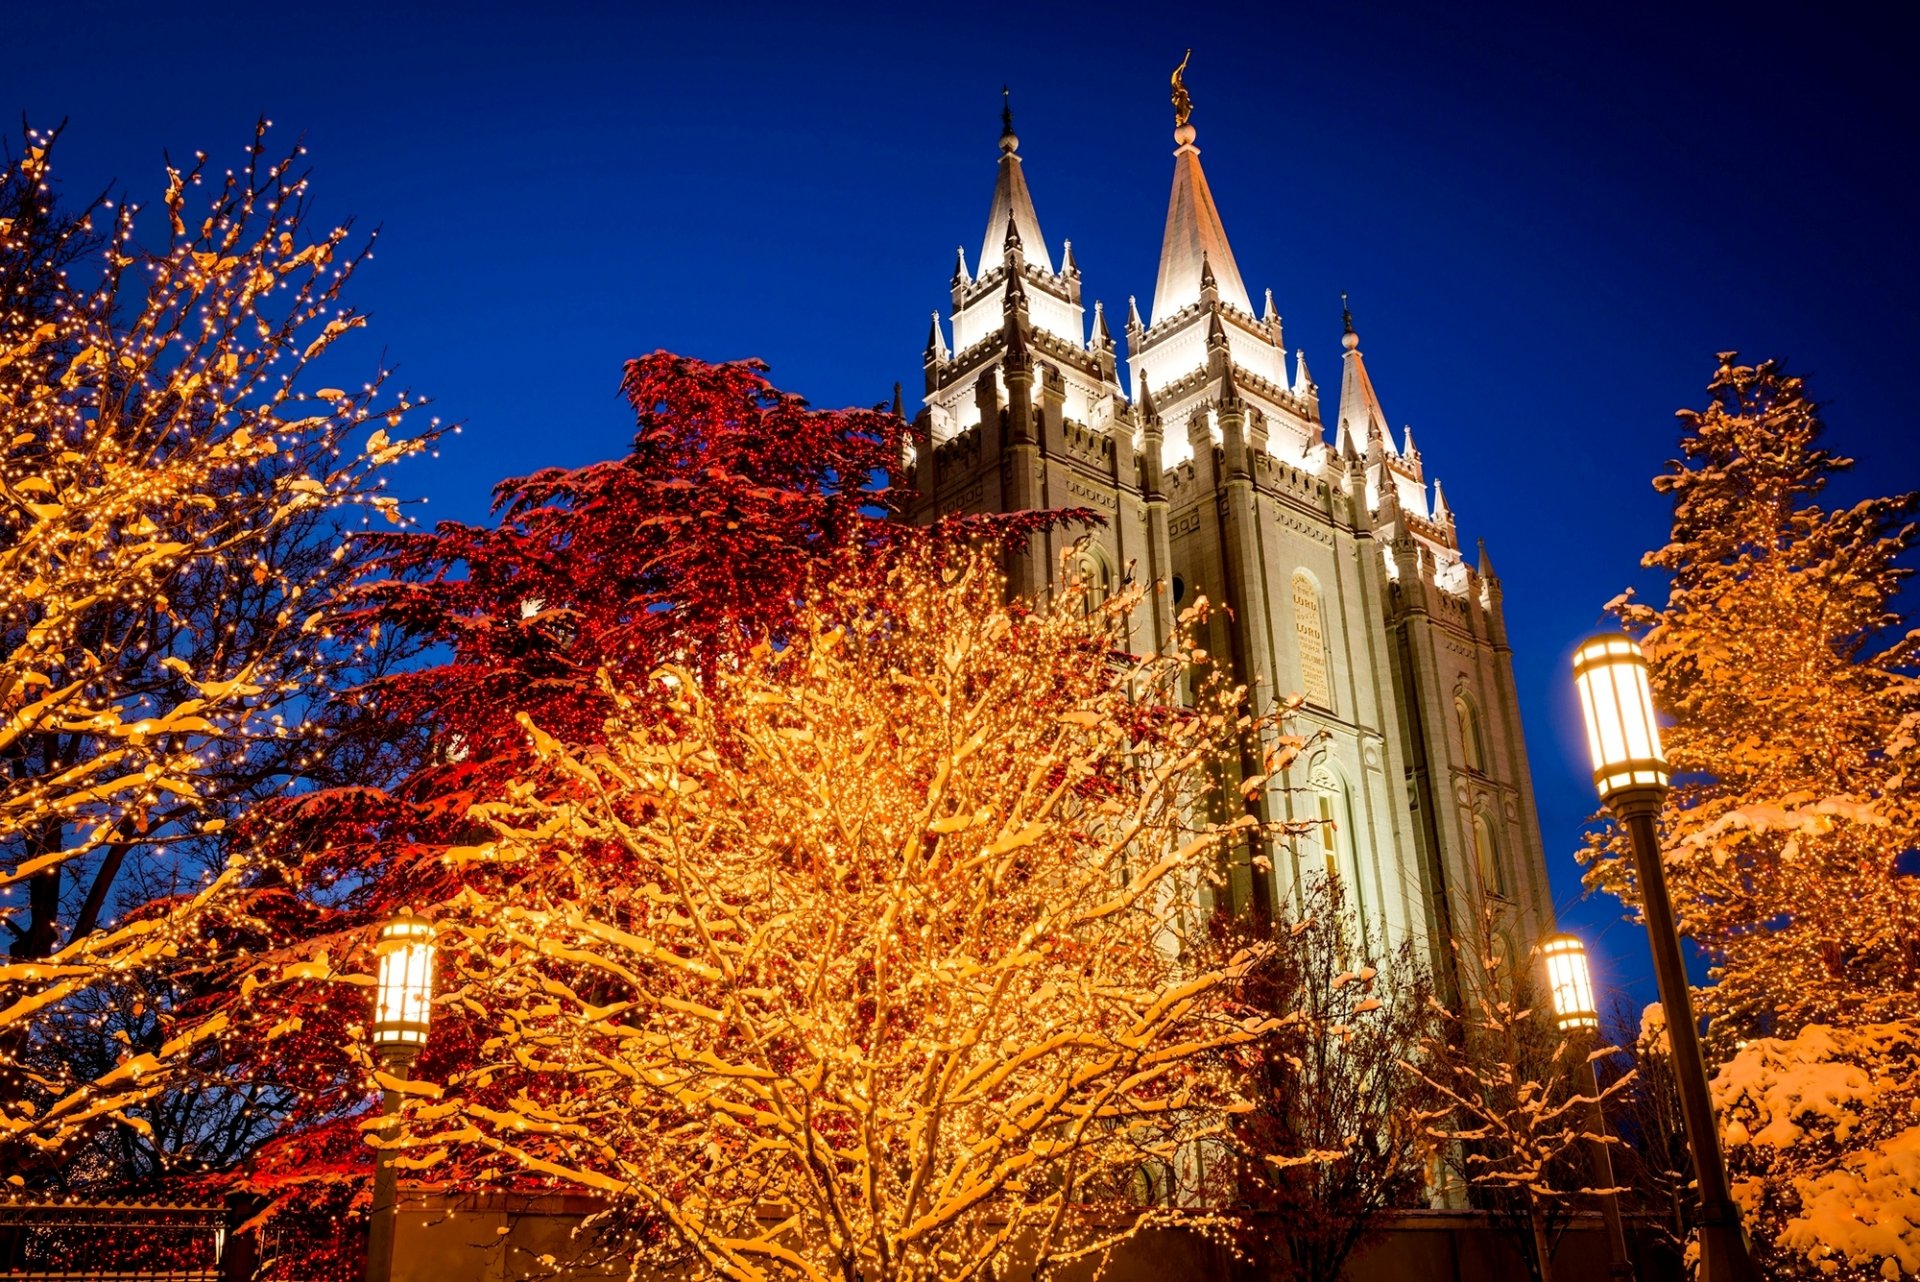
x,y
1823,1140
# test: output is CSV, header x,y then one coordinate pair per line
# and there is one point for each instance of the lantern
x,y
1617,703
1569,983
403,996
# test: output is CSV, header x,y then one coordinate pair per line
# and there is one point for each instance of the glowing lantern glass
x,y
403,997
1569,983
1611,675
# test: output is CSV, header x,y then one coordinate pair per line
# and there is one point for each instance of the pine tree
x,y
1782,657
1785,666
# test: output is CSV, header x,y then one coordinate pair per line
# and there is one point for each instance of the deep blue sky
x,y
1549,219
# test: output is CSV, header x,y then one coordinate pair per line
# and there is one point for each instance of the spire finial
x,y
1009,140
1183,132
1348,339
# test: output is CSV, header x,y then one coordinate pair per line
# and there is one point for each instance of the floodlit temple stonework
x,y
1220,475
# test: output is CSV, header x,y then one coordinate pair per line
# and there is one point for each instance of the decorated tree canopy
x,y
870,954
176,488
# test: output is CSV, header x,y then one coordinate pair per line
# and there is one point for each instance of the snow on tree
x,y
1782,657
692,549
1333,1138
1512,1121
870,954
1786,668
1822,1136
174,496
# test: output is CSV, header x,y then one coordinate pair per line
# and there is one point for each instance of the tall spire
x,y
1195,235
1360,412
1012,201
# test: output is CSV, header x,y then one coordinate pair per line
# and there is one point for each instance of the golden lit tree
x,y
175,500
1783,658
867,958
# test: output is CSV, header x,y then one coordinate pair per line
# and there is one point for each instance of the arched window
x,y
1311,637
1334,844
1092,577
1473,751
1486,856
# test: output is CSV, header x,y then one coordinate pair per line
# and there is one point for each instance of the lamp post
x,y
402,1009
1630,772
1571,987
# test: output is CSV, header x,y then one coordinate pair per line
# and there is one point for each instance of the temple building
x,y
1336,556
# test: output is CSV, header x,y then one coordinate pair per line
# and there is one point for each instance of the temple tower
x,y
1338,563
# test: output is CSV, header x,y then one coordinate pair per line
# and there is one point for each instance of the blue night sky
x,y
1549,219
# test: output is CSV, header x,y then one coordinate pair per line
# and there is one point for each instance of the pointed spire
x,y
1209,287
1101,337
1067,266
1133,312
1348,455
1216,332
1012,244
1144,402
1195,239
1012,202
1229,390
1411,450
960,273
1360,412
1441,512
936,342
1015,300
1486,563
898,404
1302,381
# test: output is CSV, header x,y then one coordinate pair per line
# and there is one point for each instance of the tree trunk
x,y
1542,1248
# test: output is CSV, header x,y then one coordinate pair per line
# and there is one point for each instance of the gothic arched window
x,y
1309,632
1334,837
1092,578
1486,856
1473,749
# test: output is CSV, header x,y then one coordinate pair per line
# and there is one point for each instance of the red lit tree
x,y
691,550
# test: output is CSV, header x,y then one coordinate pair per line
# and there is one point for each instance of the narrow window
x,y
1487,856
1472,751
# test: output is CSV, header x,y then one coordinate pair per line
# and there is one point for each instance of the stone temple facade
x,y
1339,564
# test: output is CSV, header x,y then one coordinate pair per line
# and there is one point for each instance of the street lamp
x,y
402,1010
1571,987
1630,772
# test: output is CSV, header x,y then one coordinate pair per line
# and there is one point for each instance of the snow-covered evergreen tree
x,y
1782,658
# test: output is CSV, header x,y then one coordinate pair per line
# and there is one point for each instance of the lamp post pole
x,y
395,1062
1723,1245
402,1009
1630,771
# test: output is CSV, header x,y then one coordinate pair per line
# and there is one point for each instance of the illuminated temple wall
x,y
1216,475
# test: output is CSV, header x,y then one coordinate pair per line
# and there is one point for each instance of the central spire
x,y
1011,200
1195,239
